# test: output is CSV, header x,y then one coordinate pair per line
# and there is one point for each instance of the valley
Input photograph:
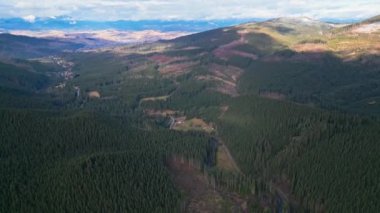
x,y
274,116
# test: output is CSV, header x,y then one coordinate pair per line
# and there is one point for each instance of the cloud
x,y
29,18
189,9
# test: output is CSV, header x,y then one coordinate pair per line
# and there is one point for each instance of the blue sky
x,y
188,10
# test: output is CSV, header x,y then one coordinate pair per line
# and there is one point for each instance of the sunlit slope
x,y
296,59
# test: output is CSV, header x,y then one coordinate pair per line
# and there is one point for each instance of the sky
x,y
106,10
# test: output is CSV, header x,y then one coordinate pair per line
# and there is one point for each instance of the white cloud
x,y
29,18
189,9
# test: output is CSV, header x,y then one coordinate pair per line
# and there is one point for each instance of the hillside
x,y
280,115
301,60
12,46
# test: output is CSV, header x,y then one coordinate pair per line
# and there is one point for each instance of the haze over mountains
x,y
108,33
120,31
278,115
69,23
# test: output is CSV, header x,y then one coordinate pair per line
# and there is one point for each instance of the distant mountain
x,y
68,23
366,26
375,19
297,25
65,33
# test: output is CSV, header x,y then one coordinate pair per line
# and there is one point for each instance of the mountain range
x,y
68,23
279,115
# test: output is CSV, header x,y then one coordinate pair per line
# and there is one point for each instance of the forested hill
x,y
14,46
52,161
280,115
